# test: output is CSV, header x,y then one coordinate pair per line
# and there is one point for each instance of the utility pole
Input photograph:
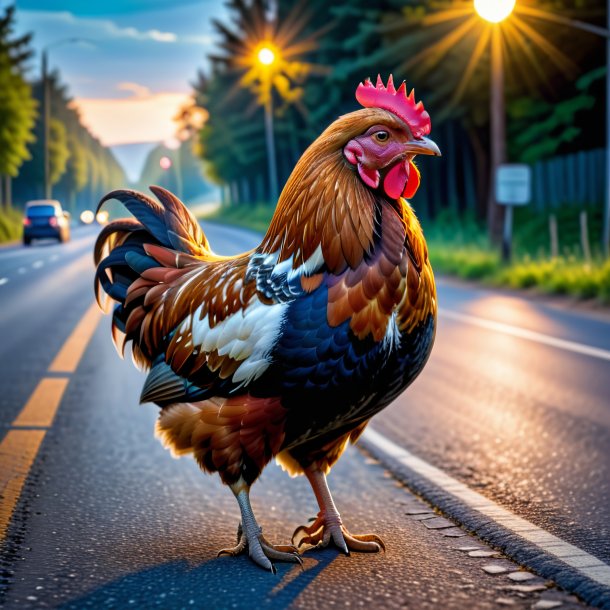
x,y
495,212
606,229
46,118
271,159
46,110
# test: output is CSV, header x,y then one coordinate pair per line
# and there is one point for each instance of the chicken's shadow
x,y
220,583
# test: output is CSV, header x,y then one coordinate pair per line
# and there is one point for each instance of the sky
x,y
132,68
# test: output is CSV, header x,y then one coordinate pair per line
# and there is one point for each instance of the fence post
x,y
554,236
584,236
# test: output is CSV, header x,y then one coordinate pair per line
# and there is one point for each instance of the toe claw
x,y
365,543
238,549
324,533
338,539
262,552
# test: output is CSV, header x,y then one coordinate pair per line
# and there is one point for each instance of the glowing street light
x,y
494,10
266,57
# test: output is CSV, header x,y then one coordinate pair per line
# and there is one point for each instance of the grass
x,y
11,224
458,246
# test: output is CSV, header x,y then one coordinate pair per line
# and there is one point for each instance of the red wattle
x,y
369,176
395,181
413,181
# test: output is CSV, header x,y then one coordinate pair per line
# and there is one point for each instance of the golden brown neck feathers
x,y
324,202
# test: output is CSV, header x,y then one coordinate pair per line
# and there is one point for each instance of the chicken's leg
x,y
328,525
250,536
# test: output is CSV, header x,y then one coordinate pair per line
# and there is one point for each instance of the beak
x,y
423,146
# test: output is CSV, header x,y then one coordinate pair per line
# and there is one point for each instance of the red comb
x,y
397,102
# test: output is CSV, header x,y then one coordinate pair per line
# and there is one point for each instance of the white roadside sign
x,y
514,184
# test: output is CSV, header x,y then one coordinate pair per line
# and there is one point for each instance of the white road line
x,y
3,280
54,257
569,554
529,335
37,264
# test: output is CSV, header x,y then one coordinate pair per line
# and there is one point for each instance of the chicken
x,y
286,351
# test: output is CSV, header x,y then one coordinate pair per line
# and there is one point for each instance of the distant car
x,y
45,218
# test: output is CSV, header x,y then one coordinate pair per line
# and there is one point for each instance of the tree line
x,y
554,79
81,169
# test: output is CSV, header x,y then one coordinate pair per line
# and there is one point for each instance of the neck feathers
x,y
324,203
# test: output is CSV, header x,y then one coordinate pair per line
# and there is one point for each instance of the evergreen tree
x,y
17,106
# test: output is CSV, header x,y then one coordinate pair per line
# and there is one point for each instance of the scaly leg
x,y
250,536
328,525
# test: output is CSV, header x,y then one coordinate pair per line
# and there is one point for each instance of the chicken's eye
x,y
382,136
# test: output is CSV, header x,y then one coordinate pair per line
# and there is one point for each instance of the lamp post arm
x,y
572,23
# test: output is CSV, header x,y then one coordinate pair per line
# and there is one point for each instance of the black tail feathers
x,y
120,254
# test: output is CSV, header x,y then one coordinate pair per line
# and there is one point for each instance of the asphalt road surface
x,y
514,403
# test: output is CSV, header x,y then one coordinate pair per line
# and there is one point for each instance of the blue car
x,y
45,218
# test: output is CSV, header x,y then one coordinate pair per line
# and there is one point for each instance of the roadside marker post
x,y
513,187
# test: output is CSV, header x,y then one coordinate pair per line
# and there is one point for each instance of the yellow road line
x,y
18,451
40,409
72,350
19,448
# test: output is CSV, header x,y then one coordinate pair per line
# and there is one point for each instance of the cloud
x,y
143,117
93,28
162,36
139,91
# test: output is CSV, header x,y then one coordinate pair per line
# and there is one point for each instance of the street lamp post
x,y
46,110
46,117
496,11
498,130
606,230
266,57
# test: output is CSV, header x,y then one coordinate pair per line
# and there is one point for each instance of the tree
x,y
59,153
539,129
17,106
77,173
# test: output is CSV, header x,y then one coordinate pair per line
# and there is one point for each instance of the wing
x,y
214,328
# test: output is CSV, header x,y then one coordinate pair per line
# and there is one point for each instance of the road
x,y
525,422
106,518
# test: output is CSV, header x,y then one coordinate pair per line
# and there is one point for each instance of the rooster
x,y
288,350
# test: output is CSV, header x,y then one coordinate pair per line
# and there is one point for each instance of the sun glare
x,y
494,10
266,56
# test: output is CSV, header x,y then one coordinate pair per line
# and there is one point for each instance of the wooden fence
x,y
577,179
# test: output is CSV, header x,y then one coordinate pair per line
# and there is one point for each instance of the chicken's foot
x,y
328,525
250,537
